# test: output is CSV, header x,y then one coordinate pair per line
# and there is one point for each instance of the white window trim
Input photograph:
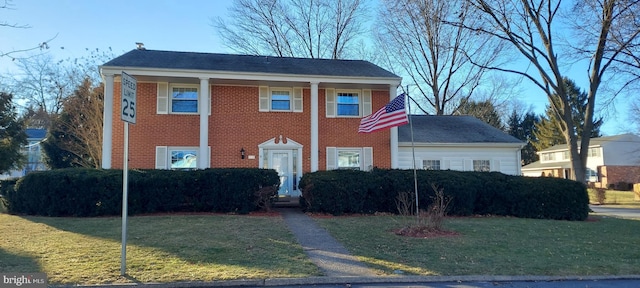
x,y
288,89
366,157
439,164
183,85
331,102
360,104
473,168
265,94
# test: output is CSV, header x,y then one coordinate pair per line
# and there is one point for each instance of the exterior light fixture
x,y
242,153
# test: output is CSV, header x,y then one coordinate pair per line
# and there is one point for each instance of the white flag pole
x,y
413,153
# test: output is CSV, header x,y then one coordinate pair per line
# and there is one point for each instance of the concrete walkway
x,y
328,254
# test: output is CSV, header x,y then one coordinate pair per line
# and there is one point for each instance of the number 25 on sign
x,y
129,85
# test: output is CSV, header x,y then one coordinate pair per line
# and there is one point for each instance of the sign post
x,y
128,115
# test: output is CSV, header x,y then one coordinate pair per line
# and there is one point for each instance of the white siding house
x,y
612,153
462,143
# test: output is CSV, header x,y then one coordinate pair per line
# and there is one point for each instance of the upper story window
x,y
481,165
431,164
281,100
277,99
565,155
348,104
549,156
594,152
184,99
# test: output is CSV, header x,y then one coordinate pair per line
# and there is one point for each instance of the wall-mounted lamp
x,y
242,153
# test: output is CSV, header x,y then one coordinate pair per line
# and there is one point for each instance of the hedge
x,y
471,193
94,192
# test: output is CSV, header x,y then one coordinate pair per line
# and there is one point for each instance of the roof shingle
x,y
247,63
452,129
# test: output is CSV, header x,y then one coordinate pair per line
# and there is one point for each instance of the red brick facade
x,y
235,123
613,175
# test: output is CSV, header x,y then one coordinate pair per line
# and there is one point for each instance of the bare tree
x,y
294,28
417,41
7,5
606,34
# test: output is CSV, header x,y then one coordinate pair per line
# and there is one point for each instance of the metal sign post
x,y
128,115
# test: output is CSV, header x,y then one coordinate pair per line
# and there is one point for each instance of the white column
x,y
314,126
203,160
107,122
394,133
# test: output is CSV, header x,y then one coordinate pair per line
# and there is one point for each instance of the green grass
x,y
495,246
160,248
614,197
224,247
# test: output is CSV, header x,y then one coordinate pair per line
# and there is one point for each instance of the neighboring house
x,y
294,115
611,160
462,143
33,153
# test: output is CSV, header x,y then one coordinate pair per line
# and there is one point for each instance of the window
x,y
168,157
281,100
356,158
184,99
548,156
565,155
431,164
349,159
481,165
594,152
183,158
348,104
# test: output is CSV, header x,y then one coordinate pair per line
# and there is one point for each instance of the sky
x,y
75,26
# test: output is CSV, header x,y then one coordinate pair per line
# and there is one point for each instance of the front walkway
x,y
328,254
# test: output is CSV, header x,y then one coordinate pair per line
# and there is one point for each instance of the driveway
x,y
612,210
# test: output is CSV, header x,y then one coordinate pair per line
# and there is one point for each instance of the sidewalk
x,y
330,256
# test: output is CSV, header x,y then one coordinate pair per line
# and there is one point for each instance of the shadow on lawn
x,y
198,239
10,262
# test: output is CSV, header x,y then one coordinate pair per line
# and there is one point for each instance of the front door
x,y
282,162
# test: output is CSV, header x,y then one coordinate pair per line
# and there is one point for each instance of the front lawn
x,y
495,246
160,248
170,248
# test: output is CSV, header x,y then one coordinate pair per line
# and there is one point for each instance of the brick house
x,y
611,160
293,115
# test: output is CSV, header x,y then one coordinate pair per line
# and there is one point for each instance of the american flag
x,y
391,115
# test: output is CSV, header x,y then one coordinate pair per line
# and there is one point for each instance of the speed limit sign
x,y
129,85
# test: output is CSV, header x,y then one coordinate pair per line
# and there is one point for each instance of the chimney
x,y
140,46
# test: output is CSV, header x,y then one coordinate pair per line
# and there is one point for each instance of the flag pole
x,y
413,153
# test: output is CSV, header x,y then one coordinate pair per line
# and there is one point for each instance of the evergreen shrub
x,y
92,192
472,193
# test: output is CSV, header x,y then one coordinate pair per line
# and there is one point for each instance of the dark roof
x,y
452,129
247,63
34,133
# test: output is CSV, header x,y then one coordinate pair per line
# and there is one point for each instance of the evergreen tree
x,y
547,131
12,135
522,127
483,110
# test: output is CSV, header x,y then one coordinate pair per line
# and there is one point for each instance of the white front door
x,y
282,162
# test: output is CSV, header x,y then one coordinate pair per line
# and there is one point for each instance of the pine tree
x,y
547,131
522,127
483,110
12,135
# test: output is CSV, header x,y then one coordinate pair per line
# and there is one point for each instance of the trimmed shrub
x,y
93,192
493,193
